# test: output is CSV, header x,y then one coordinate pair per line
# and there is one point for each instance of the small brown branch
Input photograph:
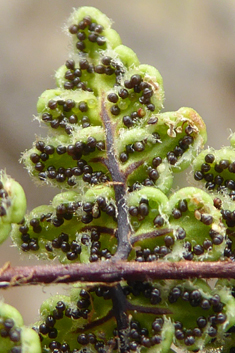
x,y
149,235
101,160
100,229
148,310
132,167
110,272
96,323
123,227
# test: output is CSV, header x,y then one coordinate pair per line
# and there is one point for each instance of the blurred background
x,y
191,43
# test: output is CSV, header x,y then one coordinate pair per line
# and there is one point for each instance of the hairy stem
x,y
110,272
120,313
123,228
149,235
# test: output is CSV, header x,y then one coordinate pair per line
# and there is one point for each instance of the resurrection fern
x,y
114,155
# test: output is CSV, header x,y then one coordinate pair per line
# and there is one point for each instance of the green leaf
x,y
15,337
71,228
12,204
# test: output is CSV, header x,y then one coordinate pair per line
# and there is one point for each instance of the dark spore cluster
x,y
138,146
8,330
88,31
66,114
183,145
86,212
214,175
4,201
75,76
80,311
141,337
135,89
79,166
136,288
158,252
141,211
195,298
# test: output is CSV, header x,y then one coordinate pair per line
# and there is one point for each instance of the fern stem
x,y
123,231
111,272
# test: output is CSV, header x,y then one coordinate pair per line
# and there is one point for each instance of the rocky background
x,y
191,43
